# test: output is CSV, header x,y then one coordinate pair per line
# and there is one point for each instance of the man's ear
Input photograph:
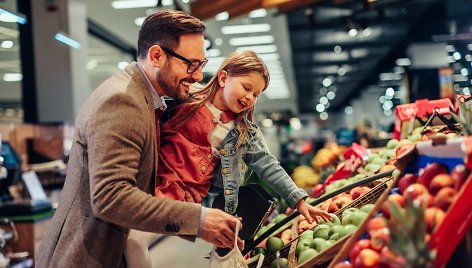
x,y
155,54
222,76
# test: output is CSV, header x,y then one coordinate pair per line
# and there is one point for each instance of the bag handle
x,y
236,232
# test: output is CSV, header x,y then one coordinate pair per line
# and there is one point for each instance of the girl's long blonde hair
x,y
238,63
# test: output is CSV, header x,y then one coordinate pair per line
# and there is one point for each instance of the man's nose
x,y
198,74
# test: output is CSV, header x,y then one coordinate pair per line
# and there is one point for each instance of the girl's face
x,y
238,93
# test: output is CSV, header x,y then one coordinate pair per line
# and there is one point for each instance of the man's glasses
x,y
192,65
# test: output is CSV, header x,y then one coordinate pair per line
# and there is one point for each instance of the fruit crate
x,y
288,251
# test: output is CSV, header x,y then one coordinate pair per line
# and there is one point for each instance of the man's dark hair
x,y
164,28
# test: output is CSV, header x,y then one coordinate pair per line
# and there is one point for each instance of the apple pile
x,y
433,188
313,241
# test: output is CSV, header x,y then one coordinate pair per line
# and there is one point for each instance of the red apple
x,y
341,195
388,259
444,198
433,218
358,191
339,203
459,175
414,191
358,246
439,181
344,264
367,258
405,181
379,238
376,224
426,174
392,199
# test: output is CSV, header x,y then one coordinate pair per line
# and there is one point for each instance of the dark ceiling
x,y
391,25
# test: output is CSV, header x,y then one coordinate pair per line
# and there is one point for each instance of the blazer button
x,y
209,156
222,151
204,168
228,192
225,171
168,228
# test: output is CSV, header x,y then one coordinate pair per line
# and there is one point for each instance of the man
x,y
114,156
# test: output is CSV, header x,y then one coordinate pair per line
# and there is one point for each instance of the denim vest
x,y
229,176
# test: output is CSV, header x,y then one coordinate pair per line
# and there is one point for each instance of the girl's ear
x,y
222,78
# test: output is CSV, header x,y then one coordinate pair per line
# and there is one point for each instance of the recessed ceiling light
x,y
258,13
249,28
139,21
403,62
12,77
348,110
222,16
251,40
324,116
7,44
260,49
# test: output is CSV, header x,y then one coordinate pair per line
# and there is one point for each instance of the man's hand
x,y
219,228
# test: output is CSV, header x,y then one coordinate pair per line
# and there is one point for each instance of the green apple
x,y
354,218
302,245
321,226
330,242
392,144
307,254
279,263
257,251
367,208
348,211
335,236
274,244
307,233
319,244
278,218
322,233
347,229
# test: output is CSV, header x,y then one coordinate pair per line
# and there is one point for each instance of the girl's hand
x,y
311,213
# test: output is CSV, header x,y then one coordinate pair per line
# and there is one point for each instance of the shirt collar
x,y
158,101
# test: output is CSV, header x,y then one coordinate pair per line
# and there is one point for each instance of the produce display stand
x,y
288,251
458,220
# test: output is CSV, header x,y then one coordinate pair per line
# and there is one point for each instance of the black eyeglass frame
x,y
192,65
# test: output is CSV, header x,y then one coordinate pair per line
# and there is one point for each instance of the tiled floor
x,y
174,252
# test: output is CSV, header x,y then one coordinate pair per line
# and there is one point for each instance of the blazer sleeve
x,y
116,136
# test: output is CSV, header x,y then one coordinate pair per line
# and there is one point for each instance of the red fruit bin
x,y
458,220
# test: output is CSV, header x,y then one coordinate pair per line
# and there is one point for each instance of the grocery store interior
x,y
368,110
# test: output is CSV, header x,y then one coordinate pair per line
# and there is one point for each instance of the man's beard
x,y
171,88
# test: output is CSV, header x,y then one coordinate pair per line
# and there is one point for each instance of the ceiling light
x,y
122,65
125,4
91,64
277,90
323,91
459,78
323,100
207,43
389,92
456,55
466,91
258,13
12,77
403,62
398,69
388,112
214,52
295,123
270,57
7,44
389,76
249,28
450,59
267,122
320,108
338,49
341,71
260,49
464,71
382,99
469,46
222,16
139,21
367,31
331,95
468,57
348,110
251,40
8,16
327,82
63,38
218,41
353,32
324,116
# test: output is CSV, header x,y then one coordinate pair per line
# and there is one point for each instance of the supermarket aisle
x,y
174,252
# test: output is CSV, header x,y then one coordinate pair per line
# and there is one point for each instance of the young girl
x,y
209,140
